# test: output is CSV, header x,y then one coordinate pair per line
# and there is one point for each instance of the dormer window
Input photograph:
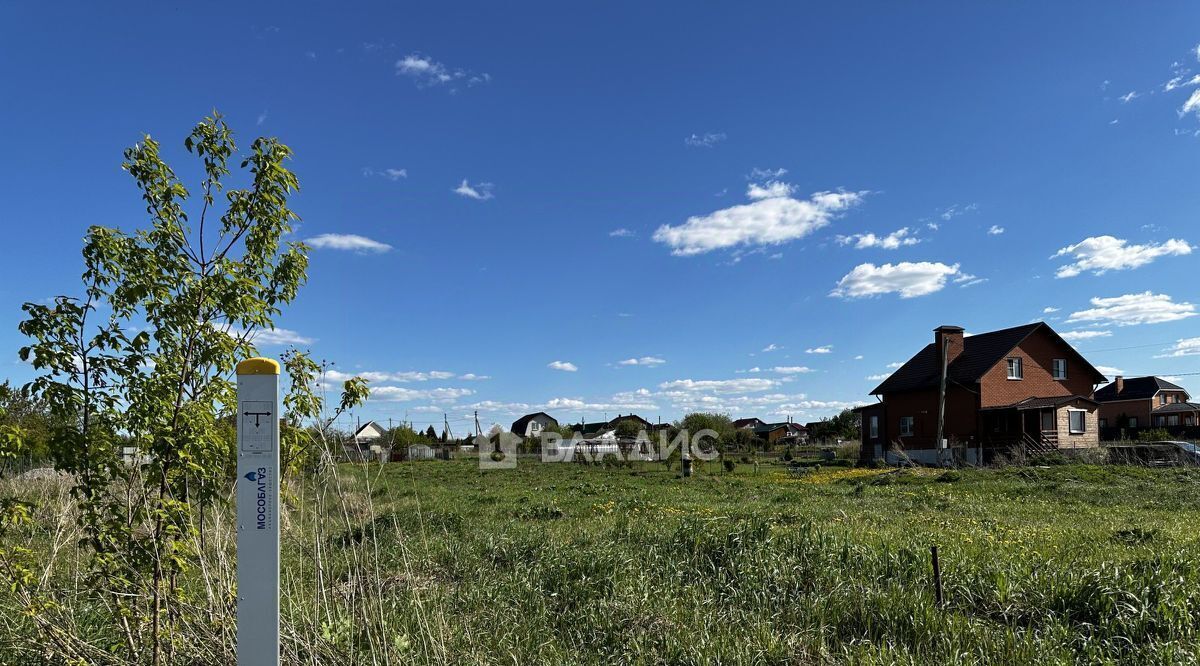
x,y
1059,366
1015,370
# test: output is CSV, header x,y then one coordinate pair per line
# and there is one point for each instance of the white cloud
x,y
879,377
1134,309
404,394
1076,336
964,280
620,402
892,241
472,377
771,347
262,118
1182,347
768,190
1129,96
277,336
859,357
1191,105
823,349
791,369
565,366
1099,254
621,233
478,191
407,376
747,385
766,221
895,364
1109,370
427,72
906,278
389,173
995,230
644,360
1049,310
956,210
766,174
706,140
351,242
1179,82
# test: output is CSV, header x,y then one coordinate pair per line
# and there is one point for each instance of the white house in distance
x,y
367,433
532,425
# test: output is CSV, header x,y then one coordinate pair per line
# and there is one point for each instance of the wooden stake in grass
x,y
937,576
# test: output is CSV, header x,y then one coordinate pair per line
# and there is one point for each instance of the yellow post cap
x,y
258,366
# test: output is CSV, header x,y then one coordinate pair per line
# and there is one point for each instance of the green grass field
x,y
437,562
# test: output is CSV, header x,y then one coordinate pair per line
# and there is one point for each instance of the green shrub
x,y
1154,435
950,476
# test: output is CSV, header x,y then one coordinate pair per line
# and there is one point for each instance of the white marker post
x,y
258,513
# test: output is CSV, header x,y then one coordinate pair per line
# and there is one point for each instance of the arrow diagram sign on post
x,y
258,513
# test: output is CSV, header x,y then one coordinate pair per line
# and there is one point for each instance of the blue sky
x,y
762,205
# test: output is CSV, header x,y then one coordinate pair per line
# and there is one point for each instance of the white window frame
x,y
907,426
874,427
1160,421
1016,367
1174,418
1132,422
1059,368
1071,421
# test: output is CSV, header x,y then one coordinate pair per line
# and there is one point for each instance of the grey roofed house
x,y
1135,388
752,422
589,429
533,424
781,430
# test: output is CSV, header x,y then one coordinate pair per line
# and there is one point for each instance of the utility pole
x,y
478,430
941,422
446,427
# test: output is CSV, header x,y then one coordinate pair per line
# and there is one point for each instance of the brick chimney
x,y
1120,382
951,334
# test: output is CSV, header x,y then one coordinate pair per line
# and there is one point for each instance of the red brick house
x,y
1139,403
1017,388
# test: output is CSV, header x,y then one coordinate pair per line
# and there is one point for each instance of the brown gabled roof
x,y
1176,407
1042,403
980,353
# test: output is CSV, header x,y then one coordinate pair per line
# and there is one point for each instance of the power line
x,y
1108,349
